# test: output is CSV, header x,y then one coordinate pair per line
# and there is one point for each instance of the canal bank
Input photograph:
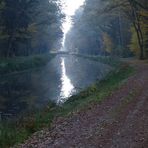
x,y
20,64
21,130
62,77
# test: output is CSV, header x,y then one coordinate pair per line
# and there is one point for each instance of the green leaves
x,y
28,25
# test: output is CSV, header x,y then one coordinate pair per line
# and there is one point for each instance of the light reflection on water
x,y
61,78
67,88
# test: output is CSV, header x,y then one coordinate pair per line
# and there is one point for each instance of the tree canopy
x,y
110,27
29,26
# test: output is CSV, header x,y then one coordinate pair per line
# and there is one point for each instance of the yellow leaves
x,y
144,13
32,28
134,46
107,41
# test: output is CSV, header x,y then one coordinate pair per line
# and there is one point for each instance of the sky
x,y
72,5
69,8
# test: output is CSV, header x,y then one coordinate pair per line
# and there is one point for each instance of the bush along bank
x,y
23,63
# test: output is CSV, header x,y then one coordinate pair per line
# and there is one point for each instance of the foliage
x,y
29,27
99,24
107,42
97,29
134,46
134,10
12,65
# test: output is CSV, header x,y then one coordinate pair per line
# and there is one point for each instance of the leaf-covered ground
x,y
120,121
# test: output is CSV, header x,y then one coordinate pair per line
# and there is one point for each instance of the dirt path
x,y
121,121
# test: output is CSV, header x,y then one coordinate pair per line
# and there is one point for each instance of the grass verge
x,y
14,133
109,60
97,92
23,63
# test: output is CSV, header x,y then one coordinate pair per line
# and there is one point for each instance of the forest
x,y
74,74
103,27
29,27
110,28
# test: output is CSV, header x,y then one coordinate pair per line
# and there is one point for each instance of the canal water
x,y
62,77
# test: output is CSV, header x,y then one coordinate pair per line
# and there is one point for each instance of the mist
x,y
73,72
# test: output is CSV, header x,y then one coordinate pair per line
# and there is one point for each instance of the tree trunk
x,y
140,41
136,22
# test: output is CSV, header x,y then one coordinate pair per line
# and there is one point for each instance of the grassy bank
x,y
97,92
109,60
13,133
23,63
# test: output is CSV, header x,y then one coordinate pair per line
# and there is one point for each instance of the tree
x,y
133,9
29,26
91,23
107,42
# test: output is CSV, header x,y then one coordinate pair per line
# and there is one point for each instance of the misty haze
x,y
73,73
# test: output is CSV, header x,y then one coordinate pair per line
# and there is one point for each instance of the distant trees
x,y
85,36
29,26
135,11
107,42
139,16
99,29
107,23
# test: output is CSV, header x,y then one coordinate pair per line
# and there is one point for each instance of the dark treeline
x,y
29,27
110,27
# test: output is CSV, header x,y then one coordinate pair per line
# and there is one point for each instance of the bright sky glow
x,y
72,5
69,8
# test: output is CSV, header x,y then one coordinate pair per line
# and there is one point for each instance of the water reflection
x,y
62,77
67,88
